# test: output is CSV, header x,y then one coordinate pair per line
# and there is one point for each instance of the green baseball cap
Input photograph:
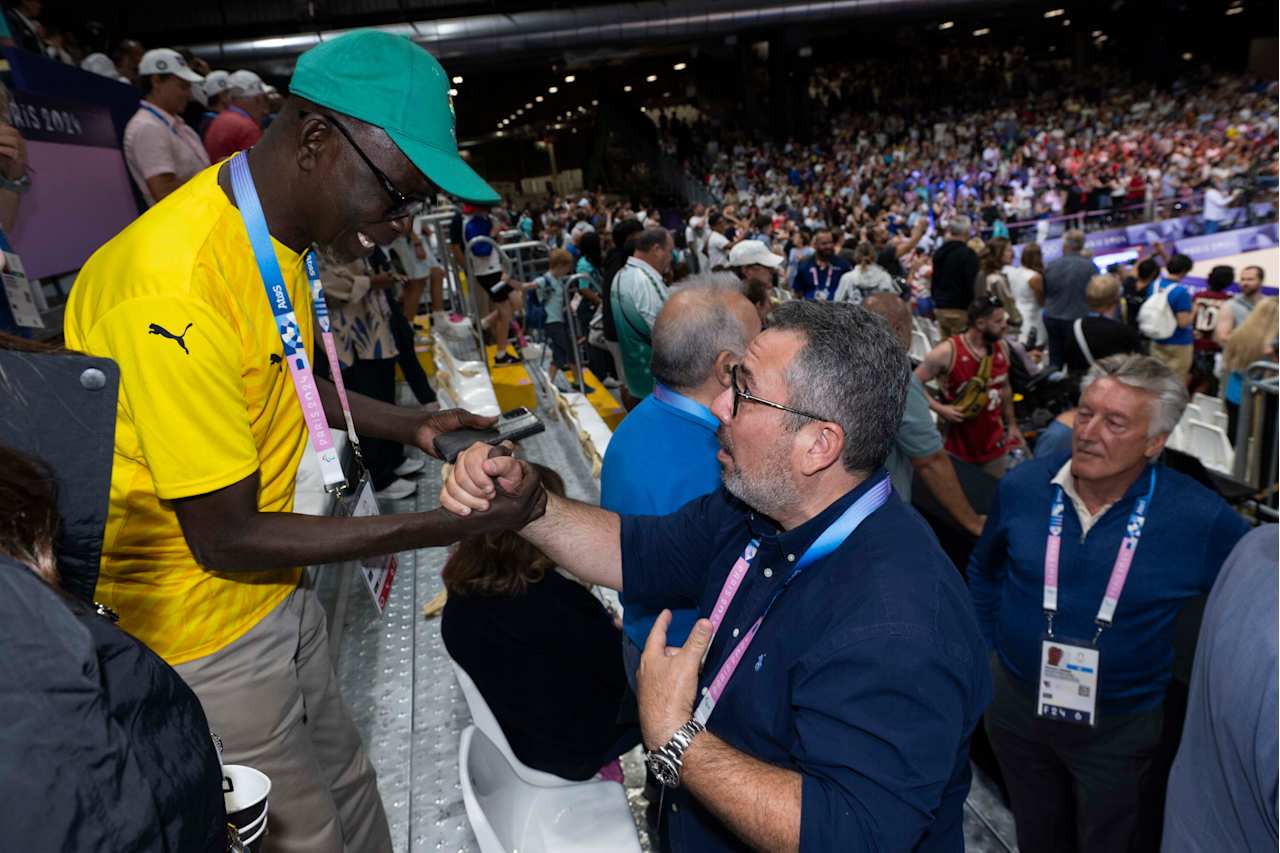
x,y
389,82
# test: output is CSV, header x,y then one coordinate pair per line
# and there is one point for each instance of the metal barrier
x,y
1256,461
572,316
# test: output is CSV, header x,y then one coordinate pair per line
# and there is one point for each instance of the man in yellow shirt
x,y
202,549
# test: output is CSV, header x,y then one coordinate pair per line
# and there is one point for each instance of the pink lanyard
x,y
1119,570
830,539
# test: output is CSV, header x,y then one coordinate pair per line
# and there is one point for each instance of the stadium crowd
x,y
846,332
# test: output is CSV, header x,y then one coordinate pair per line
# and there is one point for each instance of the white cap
x,y
101,64
216,83
753,252
244,83
696,222
582,202
269,89
583,227
162,60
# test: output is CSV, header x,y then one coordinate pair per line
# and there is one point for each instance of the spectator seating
x,y
1208,443
514,807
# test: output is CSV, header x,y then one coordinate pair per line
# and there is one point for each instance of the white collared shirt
x,y
1087,520
157,142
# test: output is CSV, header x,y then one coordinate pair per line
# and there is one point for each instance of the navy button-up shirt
x,y
867,677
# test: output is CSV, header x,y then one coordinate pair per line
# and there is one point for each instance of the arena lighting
x,y
1066,22
946,25
1187,57
538,99
500,133
1096,33
453,93
552,90
457,81
985,31
666,94
652,78
626,88
595,103
679,66
1235,10
528,106
519,112
569,78
1055,13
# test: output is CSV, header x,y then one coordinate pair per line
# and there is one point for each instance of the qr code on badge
x,y
1084,691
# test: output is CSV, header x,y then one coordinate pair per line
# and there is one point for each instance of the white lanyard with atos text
x,y
1069,671
830,539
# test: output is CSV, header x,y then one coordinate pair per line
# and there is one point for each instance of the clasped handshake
x,y
495,489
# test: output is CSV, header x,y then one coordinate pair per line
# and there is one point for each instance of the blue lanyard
x,y
830,539
286,321
173,128
682,403
155,112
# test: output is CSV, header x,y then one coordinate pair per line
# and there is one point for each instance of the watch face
x,y
663,772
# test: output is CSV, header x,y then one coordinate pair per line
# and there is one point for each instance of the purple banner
x,y
1162,231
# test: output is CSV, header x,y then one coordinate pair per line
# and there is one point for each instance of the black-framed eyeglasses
x,y
740,394
401,205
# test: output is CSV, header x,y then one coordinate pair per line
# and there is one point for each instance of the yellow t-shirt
x,y
205,400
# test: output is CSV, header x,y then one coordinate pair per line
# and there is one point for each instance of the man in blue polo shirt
x,y
847,671
663,454
818,277
1084,564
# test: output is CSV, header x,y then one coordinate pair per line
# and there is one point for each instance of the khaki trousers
x,y
273,699
951,321
1176,358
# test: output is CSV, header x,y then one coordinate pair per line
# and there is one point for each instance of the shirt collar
x,y
685,406
644,265
1068,483
794,543
161,113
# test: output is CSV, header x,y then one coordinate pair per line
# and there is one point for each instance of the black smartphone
x,y
512,426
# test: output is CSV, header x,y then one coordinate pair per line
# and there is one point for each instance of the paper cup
x,y
244,794
250,829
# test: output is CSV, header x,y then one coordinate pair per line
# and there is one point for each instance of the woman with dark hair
x,y
542,650
592,289
992,280
103,746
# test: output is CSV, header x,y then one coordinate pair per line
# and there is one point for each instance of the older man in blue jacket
x,y
1083,566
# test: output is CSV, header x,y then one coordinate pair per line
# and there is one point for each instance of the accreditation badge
x,y
1068,687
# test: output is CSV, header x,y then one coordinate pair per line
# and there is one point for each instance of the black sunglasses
x,y
401,205
740,394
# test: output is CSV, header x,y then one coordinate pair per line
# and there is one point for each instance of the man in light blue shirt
x,y
663,454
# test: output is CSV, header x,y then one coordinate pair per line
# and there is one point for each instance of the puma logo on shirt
x,y
157,329
276,358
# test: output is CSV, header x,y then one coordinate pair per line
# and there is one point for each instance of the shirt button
x,y
675,807
791,558
735,632
768,573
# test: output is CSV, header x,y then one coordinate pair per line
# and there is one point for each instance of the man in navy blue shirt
x,y
847,671
818,277
663,454
1083,640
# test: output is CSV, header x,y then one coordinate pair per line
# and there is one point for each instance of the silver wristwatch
x,y
665,762
19,186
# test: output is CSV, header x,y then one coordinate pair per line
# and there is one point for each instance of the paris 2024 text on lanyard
x,y
378,572
1068,687
830,539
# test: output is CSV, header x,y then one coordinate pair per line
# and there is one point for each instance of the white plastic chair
x,y
1207,405
919,345
1178,438
509,815
513,807
1193,413
1219,419
1209,443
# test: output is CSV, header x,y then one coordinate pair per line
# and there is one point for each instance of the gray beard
x,y
771,494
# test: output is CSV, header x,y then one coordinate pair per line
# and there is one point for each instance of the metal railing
x,y
1256,461
572,316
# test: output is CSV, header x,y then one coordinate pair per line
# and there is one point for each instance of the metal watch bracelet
x,y
667,761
